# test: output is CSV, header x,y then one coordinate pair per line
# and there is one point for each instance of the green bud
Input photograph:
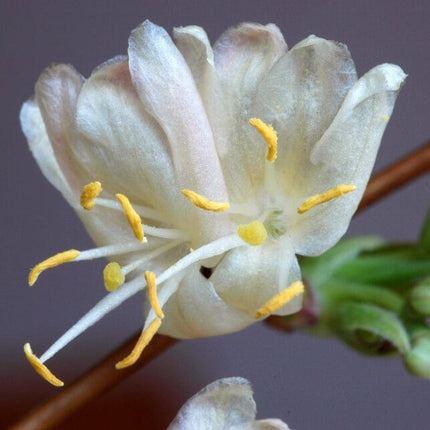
x,y
418,359
419,298
369,328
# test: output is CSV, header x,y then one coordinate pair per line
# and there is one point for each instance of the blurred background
x,y
310,383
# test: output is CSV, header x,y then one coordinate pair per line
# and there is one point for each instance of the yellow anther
x,y
49,263
144,339
385,118
40,368
269,135
151,282
113,276
89,193
281,299
338,191
204,203
132,216
253,233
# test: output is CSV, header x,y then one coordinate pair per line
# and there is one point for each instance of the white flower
x,y
218,165
225,404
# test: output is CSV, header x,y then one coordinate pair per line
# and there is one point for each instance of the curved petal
x,y
119,144
346,154
196,310
34,129
247,277
270,424
300,97
243,57
57,90
224,404
168,92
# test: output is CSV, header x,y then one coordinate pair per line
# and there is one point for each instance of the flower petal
x,y
166,88
196,310
346,154
224,404
34,129
270,424
120,145
247,277
300,97
57,90
243,57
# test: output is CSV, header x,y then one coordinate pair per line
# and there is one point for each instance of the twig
x,y
104,376
96,381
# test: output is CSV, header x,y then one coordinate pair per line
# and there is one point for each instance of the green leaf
x,y
385,270
365,327
319,269
335,291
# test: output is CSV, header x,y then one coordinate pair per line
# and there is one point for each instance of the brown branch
x,y
397,175
96,381
104,376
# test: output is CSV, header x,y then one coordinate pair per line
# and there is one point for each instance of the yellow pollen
x,y
152,293
89,193
385,118
113,276
144,339
132,217
281,299
253,233
49,263
40,368
203,202
269,135
318,199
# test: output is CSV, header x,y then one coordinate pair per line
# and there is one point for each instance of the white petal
x,y
120,145
34,129
346,154
196,310
56,93
300,97
168,92
247,277
243,57
224,404
270,424
194,45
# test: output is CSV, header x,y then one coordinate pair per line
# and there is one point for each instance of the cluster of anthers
x,y
253,233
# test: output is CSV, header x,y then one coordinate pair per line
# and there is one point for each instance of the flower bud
x,y
419,298
418,360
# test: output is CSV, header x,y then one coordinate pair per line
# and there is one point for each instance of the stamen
x,y
253,233
113,276
151,282
113,300
40,368
132,217
281,299
149,256
204,203
89,193
269,135
141,344
49,263
318,199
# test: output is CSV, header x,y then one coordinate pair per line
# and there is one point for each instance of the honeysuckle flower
x,y
201,172
225,404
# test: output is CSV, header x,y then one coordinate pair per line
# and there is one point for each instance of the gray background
x,y
310,383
